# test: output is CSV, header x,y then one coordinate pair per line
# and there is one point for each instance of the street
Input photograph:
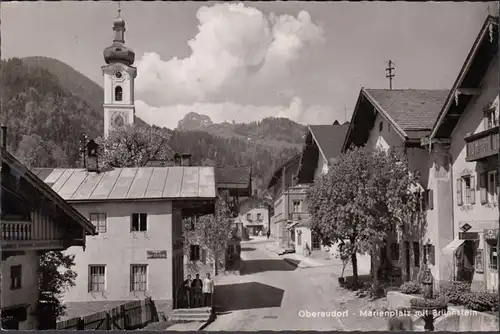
x,y
272,294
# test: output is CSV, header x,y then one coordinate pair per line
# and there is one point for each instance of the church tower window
x,y
118,93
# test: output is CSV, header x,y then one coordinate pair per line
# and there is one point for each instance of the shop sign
x,y
468,235
160,254
491,234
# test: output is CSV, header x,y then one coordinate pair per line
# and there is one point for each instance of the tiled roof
x,y
232,175
329,138
131,183
411,109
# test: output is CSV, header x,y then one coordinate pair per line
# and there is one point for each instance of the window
x,y
466,190
492,187
490,118
416,254
15,277
230,249
259,217
118,93
97,278
296,206
194,253
395,251
493,257
428,257
380,126
316,243
139,222
99,221
429,199
138,277
249,217
299,239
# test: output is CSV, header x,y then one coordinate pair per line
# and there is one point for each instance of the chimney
x,y
3,136
185,159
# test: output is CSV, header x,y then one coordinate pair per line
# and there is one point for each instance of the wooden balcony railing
x,y
299,216
482,144
16,231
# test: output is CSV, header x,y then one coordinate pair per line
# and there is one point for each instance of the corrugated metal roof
x,y
131,183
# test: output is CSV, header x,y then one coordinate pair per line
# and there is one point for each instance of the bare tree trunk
x,y
354,262
216,263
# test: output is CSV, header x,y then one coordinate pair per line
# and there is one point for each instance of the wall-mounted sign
x,y
468,235
465,227
161,254
478,262
491,234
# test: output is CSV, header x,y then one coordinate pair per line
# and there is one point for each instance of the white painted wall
x,y
478,215
119,248
321,168
28,294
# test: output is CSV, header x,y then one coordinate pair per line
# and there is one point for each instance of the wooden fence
x,y
129,316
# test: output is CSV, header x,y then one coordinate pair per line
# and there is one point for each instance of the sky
x,y
245,61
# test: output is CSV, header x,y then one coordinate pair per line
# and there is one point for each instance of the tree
x,y
364,197
55,277
33,151
215,230
135,146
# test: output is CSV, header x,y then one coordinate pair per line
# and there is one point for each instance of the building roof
x,y
233,175
411,109
482,53
411,112
131,183
46,190
277,174
329,138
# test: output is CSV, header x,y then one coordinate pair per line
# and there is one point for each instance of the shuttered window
x,y
459,191
99,221
472,190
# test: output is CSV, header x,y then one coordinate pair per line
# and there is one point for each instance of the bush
x,y
411,288
434,303
481,301
455,292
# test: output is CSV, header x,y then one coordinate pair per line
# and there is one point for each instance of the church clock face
x,y
118,75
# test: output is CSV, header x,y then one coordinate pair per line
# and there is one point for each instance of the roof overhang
x,y
360,123
37,183
467,84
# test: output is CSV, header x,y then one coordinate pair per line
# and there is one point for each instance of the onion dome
x,y
118,52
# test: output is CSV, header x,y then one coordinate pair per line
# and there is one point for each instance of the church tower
x,y
119,76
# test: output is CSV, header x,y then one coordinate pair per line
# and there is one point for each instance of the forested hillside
x,y
47,105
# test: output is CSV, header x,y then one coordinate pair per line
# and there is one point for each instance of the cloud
x,y
168,116
236,47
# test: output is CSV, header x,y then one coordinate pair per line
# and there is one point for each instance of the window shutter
x,y
432,258
482,188
204,256
472,189
459,191
430,198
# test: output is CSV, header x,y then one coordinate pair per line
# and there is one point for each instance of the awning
x,y
453,246
292,225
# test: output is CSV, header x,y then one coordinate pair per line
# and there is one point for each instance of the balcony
x,y
16,230
295,216
482,145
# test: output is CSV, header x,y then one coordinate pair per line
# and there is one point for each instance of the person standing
x,y
268,233
188,299
196,288
208,290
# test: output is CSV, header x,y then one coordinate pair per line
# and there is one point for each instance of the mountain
x,y
271,131
47,106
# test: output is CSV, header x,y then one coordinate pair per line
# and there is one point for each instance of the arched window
x,y
118,93
381,126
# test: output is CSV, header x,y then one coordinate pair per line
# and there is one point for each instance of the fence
x,y
129,316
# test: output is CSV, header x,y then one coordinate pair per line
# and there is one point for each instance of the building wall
x,y
322,167
118,249
28,293
253,208
478,216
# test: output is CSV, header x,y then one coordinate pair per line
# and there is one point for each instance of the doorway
x,y
467,269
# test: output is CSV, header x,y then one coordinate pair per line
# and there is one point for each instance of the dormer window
x,y
118,93
381,126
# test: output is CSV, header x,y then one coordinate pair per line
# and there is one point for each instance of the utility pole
x,y
390,74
